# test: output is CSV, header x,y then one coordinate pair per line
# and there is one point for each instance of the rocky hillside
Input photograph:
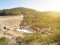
x,y
34,18
45,25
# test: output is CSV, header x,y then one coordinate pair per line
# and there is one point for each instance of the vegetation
x,y
3,41
33,17
36,38
37,21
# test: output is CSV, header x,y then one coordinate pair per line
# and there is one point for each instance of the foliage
x,y
33,17
37,37
37,19
3,41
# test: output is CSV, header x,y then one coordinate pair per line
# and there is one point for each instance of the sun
x,y
50,5
53,5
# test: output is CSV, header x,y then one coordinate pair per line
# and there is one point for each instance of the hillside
x,y
45,25
34,20
17,11
33,17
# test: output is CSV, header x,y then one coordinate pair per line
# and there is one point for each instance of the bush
x,y
3,41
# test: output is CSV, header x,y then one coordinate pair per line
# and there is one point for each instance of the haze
x,y
40,5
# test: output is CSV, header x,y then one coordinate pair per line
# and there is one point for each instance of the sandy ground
x,y
10,21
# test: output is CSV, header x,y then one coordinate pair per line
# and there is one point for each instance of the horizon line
x,y
31,8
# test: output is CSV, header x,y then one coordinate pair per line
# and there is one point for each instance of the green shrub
x,y
3,41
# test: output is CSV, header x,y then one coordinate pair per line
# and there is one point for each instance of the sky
x,y
40,5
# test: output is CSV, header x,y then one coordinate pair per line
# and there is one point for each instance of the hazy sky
x,y
41,5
